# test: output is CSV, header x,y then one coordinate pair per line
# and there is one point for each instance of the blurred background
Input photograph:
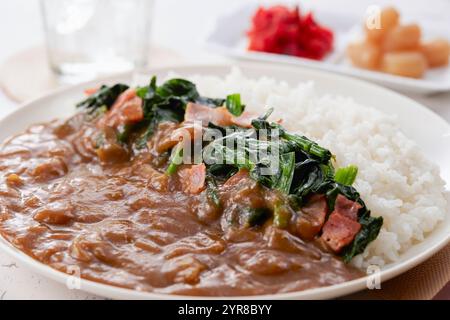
x,y
181,25
160,33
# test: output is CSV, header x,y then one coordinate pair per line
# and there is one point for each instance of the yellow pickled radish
x,y
364,55
408,64
436,52
401,38
389,18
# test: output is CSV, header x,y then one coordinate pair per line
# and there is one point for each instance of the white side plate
x,y
229,38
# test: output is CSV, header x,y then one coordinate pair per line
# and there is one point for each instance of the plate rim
x,y
315,293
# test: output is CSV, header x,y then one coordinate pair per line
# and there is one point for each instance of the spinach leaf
x,y
281,215
212,190
294,141
310,177
223,151
335,188
105,96
179,89
222,171
308,146
212,102
168,103
370,227
286,172
257,216
176,159
346,175
234,105
123,132
261,122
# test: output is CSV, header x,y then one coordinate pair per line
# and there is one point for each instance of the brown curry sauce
x,y
130,225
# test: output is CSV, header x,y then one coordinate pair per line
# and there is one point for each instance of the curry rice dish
x,y
112,191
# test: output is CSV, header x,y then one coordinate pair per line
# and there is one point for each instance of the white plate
x,y
229,38
430,132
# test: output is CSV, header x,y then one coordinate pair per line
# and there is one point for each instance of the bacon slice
x,y
193,178
132,111
188,131
90,91
219,116
244,120
339,231
346,207
198,112
127,109
169,134
124,97
234,179
342,225
312,217
161,140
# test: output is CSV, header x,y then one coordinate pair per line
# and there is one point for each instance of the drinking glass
x,y
90,38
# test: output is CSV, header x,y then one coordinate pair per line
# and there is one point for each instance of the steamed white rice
x,y
395,180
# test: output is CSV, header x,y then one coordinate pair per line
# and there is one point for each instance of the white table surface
x,y
20,28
